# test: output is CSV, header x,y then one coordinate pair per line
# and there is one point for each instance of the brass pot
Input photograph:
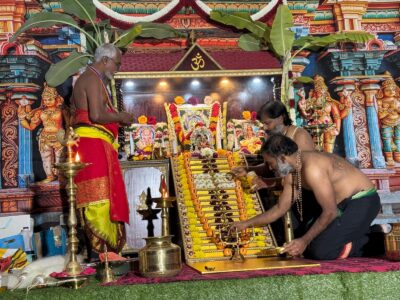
x,y
160,257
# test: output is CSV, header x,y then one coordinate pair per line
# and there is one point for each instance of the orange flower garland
x,y
214,118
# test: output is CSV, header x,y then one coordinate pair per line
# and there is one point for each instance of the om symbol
x,y
198,62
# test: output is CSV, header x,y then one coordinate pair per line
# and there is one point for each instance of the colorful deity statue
x,y
50,115
321,109
388,99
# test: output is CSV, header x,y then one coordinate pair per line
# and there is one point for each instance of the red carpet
x,y
351,265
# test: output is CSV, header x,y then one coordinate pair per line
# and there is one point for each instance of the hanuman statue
x,y
388,100
49,114
319,109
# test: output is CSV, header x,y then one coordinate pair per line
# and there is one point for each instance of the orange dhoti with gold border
x,y
101,196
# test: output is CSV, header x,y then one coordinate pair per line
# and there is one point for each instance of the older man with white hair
x,y
101,195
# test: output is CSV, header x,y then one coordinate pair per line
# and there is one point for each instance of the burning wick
x,y
77,158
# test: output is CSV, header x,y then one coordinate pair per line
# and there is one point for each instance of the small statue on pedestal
x,y
388,100
49,114
321,109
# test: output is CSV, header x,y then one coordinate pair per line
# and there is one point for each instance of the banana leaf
x,y
106,27
146,29
304,79
90,44
249,42
158,30
44,20
128,36
355,36
281,37
315,43
59,72
82,9
240,21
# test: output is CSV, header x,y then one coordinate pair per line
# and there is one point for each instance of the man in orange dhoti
x,y
101,195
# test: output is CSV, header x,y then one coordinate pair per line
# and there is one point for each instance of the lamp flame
x,y
77,157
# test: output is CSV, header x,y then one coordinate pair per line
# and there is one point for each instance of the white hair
x,y
107,50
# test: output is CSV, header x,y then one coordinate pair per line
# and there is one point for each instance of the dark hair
x,y
278,144
275,109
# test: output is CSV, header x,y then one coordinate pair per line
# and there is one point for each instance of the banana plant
x,y
280,39
95,33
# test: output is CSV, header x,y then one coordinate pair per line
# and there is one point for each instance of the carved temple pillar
x,y
16,141
370,88
9,142
349,134
300,62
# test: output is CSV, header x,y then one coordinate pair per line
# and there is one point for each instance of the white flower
x,y
206,152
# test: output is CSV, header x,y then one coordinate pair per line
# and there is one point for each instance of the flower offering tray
x,y
209,201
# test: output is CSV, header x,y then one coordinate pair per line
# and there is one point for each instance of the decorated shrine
x,y
194,99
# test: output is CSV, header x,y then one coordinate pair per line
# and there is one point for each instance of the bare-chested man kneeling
x,y
336,225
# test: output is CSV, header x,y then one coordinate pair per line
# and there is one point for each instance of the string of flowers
x,y
214,118
263,234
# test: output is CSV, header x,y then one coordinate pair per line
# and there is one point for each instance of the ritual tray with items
x,y
209,200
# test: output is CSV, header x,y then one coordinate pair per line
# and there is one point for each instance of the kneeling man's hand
x,y
239,171
295,247
239,226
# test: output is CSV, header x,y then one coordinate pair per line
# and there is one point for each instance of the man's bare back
x,y
346,179
332,180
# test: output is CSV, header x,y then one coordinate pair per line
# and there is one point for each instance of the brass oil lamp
x,y
70,168
160,257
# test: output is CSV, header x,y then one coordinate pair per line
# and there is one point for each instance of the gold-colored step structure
x,y
209,200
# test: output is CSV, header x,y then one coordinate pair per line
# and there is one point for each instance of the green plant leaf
x,y
315,43
44,20
240,21
304,79
281,37
146,29
355,36
158,30
249,42
82,9
128,36
60,71
300,42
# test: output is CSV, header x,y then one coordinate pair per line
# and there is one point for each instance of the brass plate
x,y
250,264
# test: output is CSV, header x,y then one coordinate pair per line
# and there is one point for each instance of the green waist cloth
x,y
362,194
359,195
